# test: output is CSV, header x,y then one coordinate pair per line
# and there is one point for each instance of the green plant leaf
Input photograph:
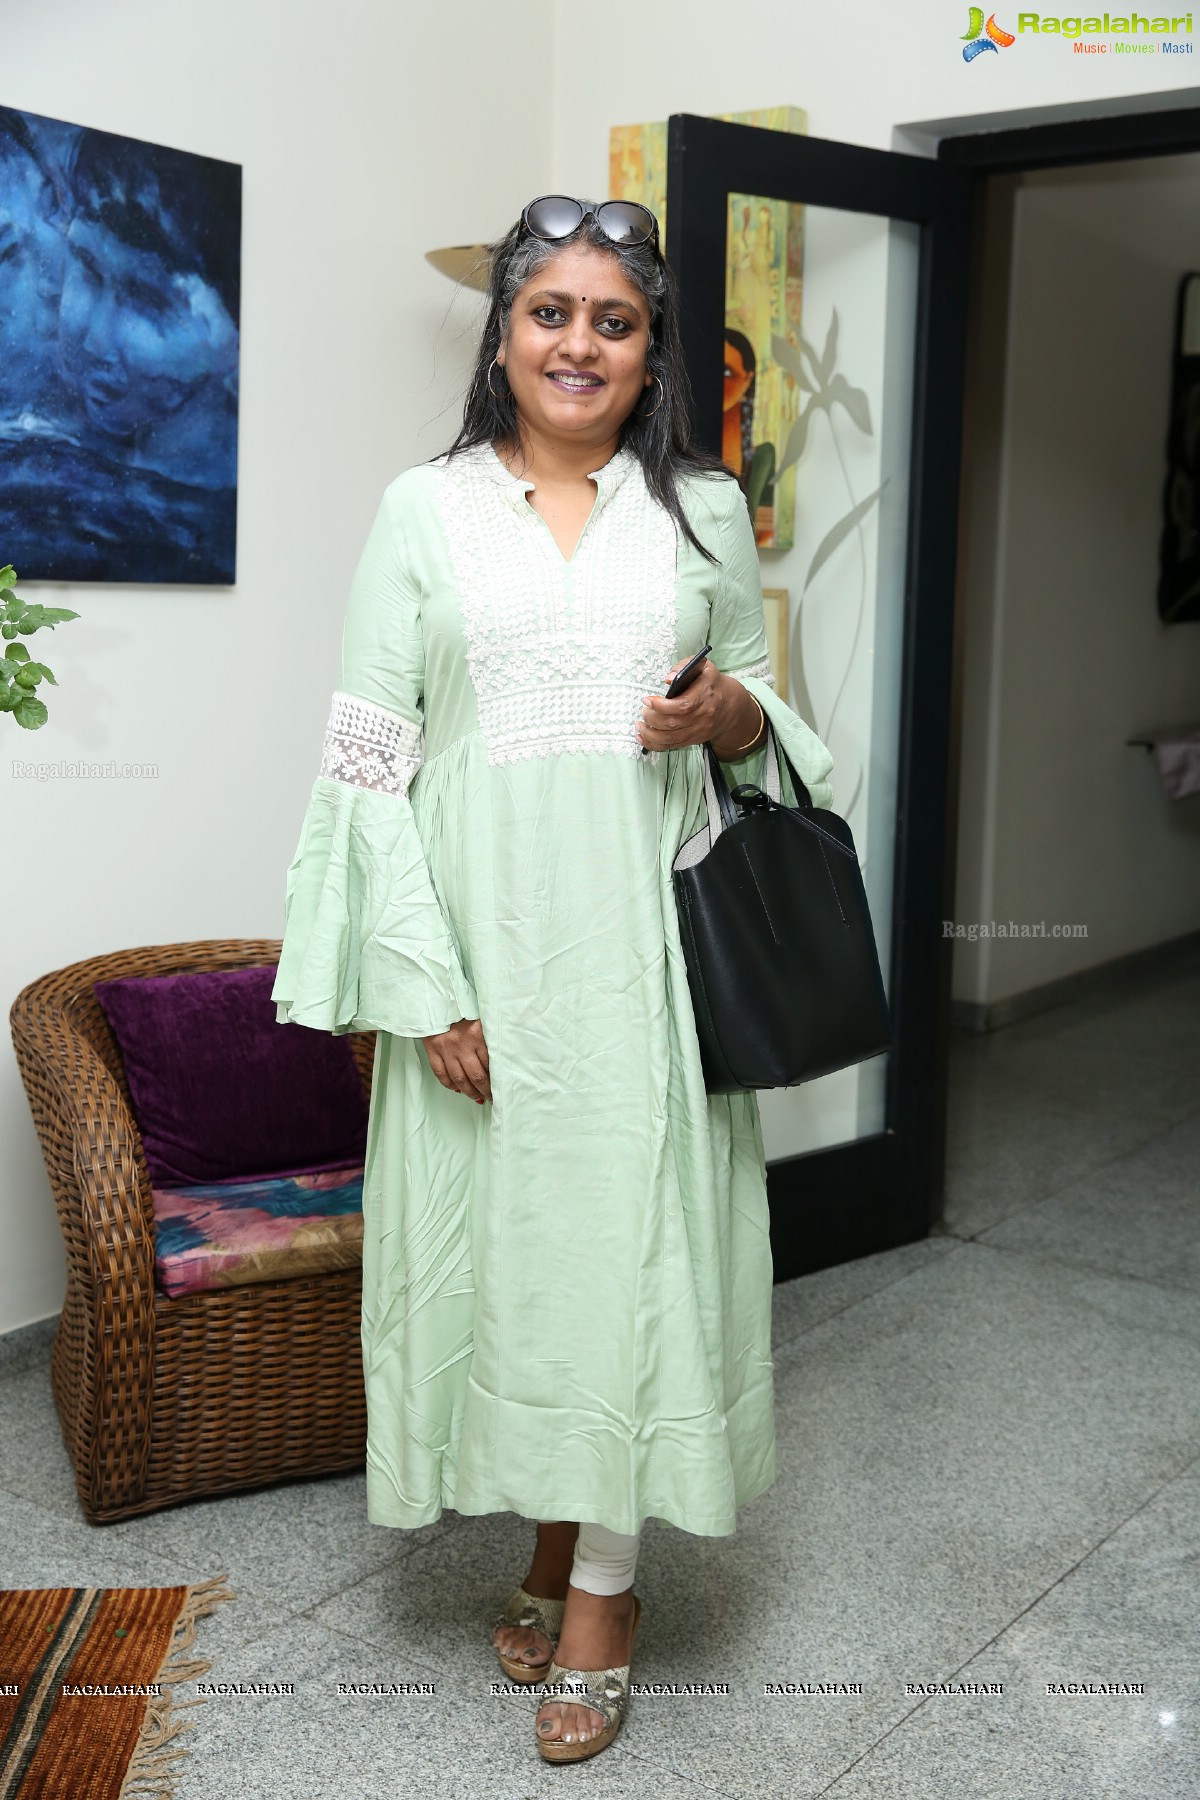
x,y
45,673
16,653
27,676
8,629
8,576
829,354
34,617
854,401
30,712
834,536
788,358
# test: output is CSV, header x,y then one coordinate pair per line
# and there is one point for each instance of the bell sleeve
x,y
738,634
367,943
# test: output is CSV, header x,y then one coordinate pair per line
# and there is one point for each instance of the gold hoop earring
x,y
661,391
491,390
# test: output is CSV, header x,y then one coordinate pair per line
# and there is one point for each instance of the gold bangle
x,y
762,719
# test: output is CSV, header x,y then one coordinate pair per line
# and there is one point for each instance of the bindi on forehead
x,y
564,299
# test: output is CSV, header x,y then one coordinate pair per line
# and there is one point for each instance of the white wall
x,y
1066,656
367,136
866,74
368,132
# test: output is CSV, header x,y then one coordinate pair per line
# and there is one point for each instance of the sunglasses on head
x,y
554,216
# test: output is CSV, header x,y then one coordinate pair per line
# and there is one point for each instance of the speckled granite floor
x,y
989,1453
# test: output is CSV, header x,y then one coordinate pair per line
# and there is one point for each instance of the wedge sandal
x,y
605,1690
523,1608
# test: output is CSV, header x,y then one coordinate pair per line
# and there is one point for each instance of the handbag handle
x,y
721,809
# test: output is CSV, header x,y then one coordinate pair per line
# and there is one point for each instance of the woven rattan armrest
x,y
142,1382
101,1186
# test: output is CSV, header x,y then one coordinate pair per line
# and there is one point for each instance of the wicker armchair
x,y
162,1400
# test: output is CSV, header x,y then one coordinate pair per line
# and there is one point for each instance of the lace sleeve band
x,y
369,746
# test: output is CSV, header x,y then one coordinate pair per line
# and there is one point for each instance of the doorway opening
x,y
880,1180
1074,850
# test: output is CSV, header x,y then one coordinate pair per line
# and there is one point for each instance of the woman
x,y
567,1290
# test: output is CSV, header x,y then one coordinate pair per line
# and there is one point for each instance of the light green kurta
x,y
567,1291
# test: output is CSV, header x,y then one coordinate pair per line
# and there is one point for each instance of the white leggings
x,y
604,1560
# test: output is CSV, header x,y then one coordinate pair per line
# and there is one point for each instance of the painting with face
x,y
764,281
119,303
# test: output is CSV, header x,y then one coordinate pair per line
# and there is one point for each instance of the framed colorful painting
x,y
763,291
119,346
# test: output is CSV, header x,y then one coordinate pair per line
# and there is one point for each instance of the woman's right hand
x,y
459,1059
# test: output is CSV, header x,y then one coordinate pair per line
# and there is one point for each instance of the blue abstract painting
x,y
120,272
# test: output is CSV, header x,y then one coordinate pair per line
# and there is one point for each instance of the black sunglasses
x,y
554,216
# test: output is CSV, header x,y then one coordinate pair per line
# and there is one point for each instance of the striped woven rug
x,y
86,1711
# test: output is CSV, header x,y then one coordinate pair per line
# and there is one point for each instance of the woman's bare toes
x,y
522,1643
573,1724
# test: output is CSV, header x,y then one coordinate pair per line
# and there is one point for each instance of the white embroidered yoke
x,y
561,652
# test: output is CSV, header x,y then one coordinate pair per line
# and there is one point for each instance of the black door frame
x,y
829,1206
1110,137
849,1200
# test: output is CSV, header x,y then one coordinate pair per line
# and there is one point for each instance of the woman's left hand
x,y
715,709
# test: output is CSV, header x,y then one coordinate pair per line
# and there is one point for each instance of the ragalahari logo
x,y
996,39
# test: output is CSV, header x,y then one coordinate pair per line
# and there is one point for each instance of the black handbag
x,y
776,932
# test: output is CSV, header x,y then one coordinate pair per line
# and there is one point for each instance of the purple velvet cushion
x,y
221,1089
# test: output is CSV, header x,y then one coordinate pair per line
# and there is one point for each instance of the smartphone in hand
x,y
683,678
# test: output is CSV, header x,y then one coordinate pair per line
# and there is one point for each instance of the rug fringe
x,y
151,1772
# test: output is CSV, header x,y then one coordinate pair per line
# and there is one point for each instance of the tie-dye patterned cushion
x,y
224,1233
